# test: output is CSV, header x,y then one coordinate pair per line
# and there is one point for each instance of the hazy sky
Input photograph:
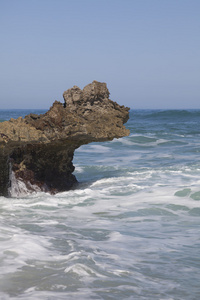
x,y
147,51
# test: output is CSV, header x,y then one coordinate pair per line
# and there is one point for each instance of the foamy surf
x,y
129,231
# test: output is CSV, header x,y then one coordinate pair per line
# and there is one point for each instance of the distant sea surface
x,y
131,230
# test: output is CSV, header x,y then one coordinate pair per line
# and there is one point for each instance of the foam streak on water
x,y
131,229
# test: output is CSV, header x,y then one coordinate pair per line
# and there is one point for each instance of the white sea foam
x,y
94,149
79,169
130,230
108,237
19,189
19,248
82,271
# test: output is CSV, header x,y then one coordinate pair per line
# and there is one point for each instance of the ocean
x,y
131,229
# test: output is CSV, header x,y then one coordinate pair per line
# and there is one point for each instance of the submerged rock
x,y
37,152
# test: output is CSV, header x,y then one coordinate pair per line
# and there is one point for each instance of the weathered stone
x,y
39,149
73,96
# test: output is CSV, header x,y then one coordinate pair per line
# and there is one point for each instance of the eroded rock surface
x,y
38,150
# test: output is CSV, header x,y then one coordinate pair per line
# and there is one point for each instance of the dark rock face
x,y
38,150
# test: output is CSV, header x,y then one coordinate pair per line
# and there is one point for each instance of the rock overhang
x,y
45,144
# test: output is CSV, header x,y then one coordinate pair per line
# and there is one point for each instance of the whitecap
x,y
82,270
93,149
19,189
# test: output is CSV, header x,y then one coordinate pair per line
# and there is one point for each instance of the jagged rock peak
x,y
93,93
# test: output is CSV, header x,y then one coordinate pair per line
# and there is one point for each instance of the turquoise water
x,y
130,230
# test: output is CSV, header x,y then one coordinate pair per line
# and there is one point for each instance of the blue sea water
x,y
131,230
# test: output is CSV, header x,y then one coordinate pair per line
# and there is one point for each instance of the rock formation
x,y
38,150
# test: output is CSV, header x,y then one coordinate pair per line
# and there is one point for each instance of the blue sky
x,y
147,51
